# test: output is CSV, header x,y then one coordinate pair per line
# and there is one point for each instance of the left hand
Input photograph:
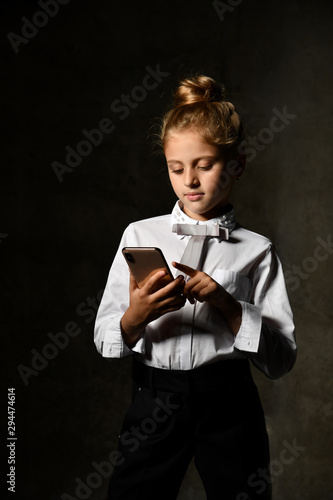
x,y
201,287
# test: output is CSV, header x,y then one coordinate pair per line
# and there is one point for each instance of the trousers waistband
x,y
183,381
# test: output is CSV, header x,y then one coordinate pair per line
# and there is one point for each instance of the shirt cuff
x,y
248,336
116,347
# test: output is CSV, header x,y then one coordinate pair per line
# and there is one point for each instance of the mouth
x,y
194,196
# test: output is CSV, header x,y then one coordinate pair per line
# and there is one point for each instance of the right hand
x,y
147,305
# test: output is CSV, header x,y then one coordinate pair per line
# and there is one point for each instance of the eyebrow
x,y
195,160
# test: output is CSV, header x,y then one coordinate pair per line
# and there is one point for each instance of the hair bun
x,y
198,89
200,104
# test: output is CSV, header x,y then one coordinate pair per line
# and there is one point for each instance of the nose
x,y
190,179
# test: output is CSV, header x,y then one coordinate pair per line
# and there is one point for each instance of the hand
x,y
203,288
147,305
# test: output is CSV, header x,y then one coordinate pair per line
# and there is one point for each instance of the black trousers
x,y
212,413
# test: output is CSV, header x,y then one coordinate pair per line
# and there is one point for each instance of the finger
x,y
196,280
195,284
185,269
132,283
171,288
188,295
172,303
190,299
170,309
153,280
199,293
196,290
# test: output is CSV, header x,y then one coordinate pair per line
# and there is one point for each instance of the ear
x,y
236,166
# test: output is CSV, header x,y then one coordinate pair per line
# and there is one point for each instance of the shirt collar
x,y
227,218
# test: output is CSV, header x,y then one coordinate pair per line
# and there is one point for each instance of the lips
x,y
194,196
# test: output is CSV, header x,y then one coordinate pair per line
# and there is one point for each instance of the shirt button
x,y
139,389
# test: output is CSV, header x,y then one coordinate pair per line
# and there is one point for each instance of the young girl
x,y
191,341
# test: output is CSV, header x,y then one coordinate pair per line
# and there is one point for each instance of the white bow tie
x,y
193,254
214,230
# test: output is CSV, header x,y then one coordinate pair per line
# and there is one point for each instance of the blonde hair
x,y
199,103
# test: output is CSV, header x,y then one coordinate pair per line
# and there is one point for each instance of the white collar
x,y
227,219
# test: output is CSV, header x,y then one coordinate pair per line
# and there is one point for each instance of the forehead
x,y
186,145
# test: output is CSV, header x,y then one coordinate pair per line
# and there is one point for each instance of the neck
x,y
216,212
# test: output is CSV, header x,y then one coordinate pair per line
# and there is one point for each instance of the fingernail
x,y
180,277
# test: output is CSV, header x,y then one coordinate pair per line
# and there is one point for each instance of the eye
x,y
178,171
205,167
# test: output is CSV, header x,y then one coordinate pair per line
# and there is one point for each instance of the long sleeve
x,y
108,338
267,324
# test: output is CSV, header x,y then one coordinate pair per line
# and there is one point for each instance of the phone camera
x,y
129,257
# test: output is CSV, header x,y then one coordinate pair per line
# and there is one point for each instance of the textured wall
x,y
61,224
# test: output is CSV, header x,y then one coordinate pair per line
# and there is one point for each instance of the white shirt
x,y
246,265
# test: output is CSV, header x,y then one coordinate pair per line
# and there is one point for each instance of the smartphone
x,y
146,261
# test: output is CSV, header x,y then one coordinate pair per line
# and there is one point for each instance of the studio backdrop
x,y
86,82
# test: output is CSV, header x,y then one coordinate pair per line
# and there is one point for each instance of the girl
x,y
191,341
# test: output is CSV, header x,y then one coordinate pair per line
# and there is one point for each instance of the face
x,y
197,174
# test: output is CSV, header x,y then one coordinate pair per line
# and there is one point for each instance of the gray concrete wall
x,y
58,238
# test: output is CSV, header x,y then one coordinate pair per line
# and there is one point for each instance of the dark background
x,y
58,239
